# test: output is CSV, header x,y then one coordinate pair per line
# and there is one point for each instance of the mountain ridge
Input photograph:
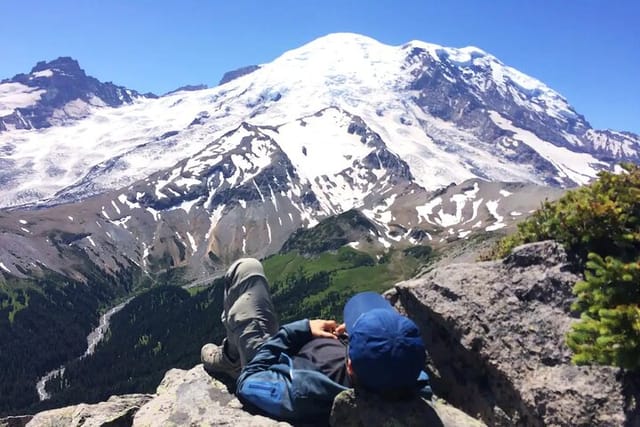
x,y
341,123
460,107
55,92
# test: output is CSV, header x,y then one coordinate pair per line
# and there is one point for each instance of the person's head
x,y
386,352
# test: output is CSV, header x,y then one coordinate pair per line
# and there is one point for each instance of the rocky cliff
x,y
495,335
183,398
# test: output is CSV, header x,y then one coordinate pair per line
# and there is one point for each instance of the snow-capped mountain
x,y
54,93
196,178
451,114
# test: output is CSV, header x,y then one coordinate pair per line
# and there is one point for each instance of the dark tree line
x,y
51,329
161,329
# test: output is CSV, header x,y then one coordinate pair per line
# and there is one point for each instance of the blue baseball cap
x,y
385,348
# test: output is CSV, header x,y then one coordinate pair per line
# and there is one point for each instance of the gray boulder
x,y
495,332
193,398
362,409
117,411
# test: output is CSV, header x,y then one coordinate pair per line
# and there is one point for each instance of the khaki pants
x,y
248,314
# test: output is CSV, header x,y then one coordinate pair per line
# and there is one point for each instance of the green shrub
x,y
600,225
419,251
355,258
609,328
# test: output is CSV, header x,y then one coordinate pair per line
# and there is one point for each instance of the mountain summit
x,y
450,114
54,93
341,123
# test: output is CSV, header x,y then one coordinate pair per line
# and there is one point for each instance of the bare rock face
x,y
495,332
362,409
117,411
183,398
193,398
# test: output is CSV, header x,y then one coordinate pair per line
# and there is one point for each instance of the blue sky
x,y
588,50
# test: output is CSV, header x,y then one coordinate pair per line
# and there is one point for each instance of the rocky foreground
x,y
495,333
184,398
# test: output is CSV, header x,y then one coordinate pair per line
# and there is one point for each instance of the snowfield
x,y
105,148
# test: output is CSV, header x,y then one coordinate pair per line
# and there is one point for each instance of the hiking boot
x,y
216,361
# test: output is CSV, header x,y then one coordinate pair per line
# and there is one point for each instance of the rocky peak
x,y
234,74
55,93
64,64
188,88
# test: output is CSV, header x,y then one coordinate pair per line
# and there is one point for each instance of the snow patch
x,y
122,222
186,205
574,166
268,231
425,211
154,213
244,239
44,73
492,206
260,192
463,234
384,242
122,198
17,95
214,218
192,241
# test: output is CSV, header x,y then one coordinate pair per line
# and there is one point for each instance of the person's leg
x,y
248,316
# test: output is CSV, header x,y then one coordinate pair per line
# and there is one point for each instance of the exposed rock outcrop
x,y
183,398
188,398
193,398
117,411
352,409
495,333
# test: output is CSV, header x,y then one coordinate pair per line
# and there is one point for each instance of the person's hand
x,y
323,328
340,329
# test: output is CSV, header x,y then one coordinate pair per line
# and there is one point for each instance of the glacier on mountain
x,y
450,114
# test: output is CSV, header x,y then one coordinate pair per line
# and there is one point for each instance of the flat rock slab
x,y
117,411
193,398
